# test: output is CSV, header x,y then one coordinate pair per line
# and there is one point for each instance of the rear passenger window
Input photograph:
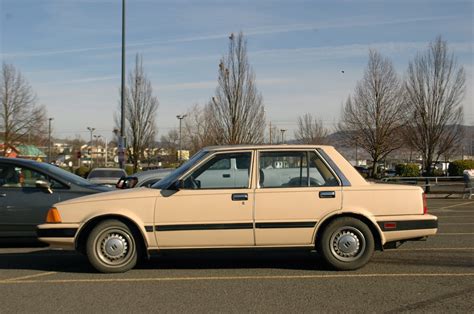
x,y
294,169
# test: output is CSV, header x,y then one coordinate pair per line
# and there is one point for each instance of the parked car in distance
x,y
298,196
27,191
145,178
106,176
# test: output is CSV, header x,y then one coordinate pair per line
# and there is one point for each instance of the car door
x,y
296,189
211,209
23,205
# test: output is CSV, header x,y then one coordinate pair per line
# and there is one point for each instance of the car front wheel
x,y
346,244
111,247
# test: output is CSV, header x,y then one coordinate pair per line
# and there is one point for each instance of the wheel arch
x,y
374,228
81,238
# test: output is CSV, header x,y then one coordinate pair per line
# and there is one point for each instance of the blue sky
x,y
69,50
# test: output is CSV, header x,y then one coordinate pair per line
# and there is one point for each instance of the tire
x,y
346,244
111,247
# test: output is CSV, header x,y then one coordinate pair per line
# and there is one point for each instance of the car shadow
x,y
73,262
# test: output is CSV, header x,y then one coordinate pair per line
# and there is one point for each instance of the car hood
x,y
114,195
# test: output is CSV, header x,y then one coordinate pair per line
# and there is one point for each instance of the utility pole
x,y
270,133
282,135
180,118
49,139
90,145
121,143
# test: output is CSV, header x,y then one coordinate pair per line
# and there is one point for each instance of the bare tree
x,y
373,117
20,116
141,107
238,110
310,130
170,142
198,128
434,88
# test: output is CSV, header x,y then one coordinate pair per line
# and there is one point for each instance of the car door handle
x,y
327,194
240,197
226,175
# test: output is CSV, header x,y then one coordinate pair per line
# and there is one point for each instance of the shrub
x,y
458,166
82,171
129,169
407,170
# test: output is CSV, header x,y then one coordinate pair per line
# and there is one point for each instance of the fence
x,y
434,185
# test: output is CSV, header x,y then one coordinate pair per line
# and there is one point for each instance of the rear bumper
x,y
396,228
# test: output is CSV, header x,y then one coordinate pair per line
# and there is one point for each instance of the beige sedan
x,y
296,196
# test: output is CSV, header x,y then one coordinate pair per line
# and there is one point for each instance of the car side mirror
x,y
126,183
45,185
179,185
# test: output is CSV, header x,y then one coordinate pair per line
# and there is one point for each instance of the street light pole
x,y
282,135
90,155
180,118
122,98
49,139
97,137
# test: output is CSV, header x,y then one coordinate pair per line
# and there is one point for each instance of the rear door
x,y
296,188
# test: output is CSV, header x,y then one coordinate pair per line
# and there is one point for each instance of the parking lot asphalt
x,y
432,276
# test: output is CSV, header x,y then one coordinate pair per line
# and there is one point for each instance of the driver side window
x,y
222,171
12,176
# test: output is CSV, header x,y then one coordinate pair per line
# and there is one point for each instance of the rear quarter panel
x,y
384,199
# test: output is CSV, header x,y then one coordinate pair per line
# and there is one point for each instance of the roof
x,y
262,146
29,151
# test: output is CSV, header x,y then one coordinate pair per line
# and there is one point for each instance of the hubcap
x,y
115,247
347,244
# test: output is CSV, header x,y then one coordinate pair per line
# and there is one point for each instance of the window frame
x,y
214,154
308,151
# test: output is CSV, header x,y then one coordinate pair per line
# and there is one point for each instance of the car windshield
x,y
64,175
106,174
173,176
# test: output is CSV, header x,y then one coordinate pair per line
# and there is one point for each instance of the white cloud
x,y
262,30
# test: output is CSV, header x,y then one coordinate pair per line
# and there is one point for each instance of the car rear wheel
x,y
111,247
346,244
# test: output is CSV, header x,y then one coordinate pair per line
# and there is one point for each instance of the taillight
x,y
53,216
425,205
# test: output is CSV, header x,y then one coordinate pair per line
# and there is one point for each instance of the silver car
x,y
106,176
145,178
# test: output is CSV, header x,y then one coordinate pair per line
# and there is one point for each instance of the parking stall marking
x,y
30,276
234,278
456,223
451,206
434,249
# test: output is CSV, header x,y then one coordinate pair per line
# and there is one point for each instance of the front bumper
x,y
58,235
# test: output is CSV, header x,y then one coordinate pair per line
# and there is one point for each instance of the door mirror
x,y
126,183
45,185
178,185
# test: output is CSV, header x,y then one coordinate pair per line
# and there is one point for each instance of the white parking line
x,y
31,276
216,278
435,249
456,233
455,205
